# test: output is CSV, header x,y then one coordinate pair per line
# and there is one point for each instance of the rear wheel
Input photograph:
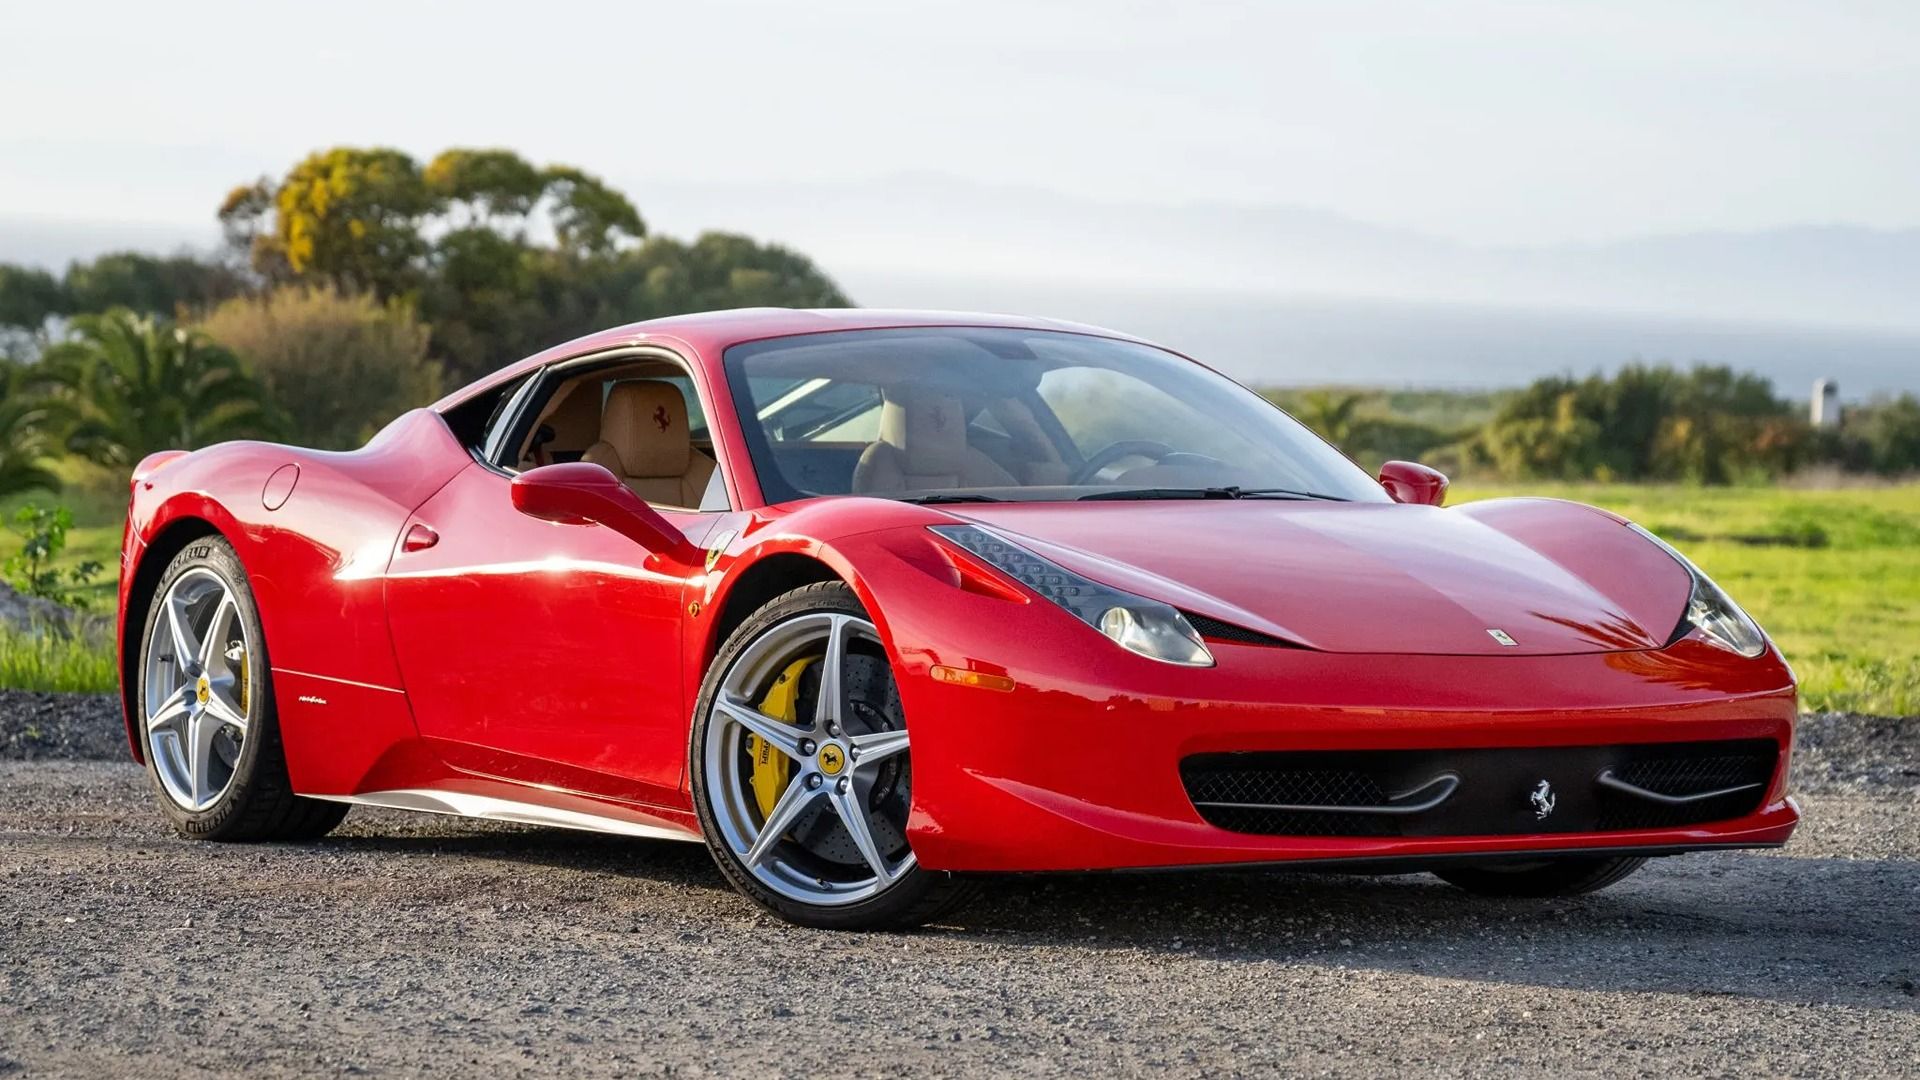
x,y
801,772
1569,876
207,722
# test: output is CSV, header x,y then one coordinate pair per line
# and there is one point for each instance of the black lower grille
x,y
1480,792
1688,776
1244,800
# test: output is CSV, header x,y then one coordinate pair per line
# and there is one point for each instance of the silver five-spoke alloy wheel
x,y
195,697
837,756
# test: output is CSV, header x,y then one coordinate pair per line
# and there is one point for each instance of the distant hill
x,y
932,226
1293,341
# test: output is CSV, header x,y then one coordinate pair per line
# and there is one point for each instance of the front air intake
x,y
1480,792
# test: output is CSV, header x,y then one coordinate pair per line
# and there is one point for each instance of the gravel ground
x,y
84,727
411,945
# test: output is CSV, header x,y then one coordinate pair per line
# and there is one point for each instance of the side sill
x,y
488,808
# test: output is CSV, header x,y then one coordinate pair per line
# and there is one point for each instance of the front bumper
x,y
1079,766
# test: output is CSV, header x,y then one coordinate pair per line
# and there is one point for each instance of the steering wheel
x,y
1125,448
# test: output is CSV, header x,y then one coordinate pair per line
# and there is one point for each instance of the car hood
x,y
1553,577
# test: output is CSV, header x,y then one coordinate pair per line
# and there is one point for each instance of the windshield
x,y
961,413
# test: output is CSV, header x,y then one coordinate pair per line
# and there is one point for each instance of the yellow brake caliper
x,y
239,652
771,768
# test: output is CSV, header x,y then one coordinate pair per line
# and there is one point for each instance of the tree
x,y
1647,422
1890,431
148,284
339,365
29,297
500,257
136,384
1330,414
27,420
489,185
589,218
347,216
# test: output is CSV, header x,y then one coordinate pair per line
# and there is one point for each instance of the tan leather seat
x,y
923,446
574,420
644,441
1037,461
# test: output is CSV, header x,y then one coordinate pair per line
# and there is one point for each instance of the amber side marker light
x,y
963,677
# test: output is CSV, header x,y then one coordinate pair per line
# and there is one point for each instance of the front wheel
x,y
801,773
1569,876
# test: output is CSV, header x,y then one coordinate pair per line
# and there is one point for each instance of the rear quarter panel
x,y
315,549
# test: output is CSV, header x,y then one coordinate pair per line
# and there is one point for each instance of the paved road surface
x,y
411,945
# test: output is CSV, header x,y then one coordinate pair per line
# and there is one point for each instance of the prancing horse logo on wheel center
x,y
832,759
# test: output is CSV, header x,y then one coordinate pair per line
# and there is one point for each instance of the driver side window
x,y
639,419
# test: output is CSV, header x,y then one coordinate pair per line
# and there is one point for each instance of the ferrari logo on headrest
x,y
660,417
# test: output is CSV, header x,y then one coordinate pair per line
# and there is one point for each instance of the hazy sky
x,y
1517,123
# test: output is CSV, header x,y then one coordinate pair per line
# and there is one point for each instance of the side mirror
x,y
1410,482
581,493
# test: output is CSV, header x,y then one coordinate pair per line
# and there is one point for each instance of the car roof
x,y
703,336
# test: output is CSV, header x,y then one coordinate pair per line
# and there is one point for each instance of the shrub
x,y
133,384
1703,425
43,533
1889,429
27,420
339,365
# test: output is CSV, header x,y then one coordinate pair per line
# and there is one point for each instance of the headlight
x,y
1155,630
1711,611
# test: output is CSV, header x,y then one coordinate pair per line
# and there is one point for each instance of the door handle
x,y
419,538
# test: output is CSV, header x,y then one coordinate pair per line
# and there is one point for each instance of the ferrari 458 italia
x,y
875,604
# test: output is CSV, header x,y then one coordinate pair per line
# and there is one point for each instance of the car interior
x,y
892,418
901,419
642,423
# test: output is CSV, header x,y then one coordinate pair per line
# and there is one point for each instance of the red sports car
x,y
873,603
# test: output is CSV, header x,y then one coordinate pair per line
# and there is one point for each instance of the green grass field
x,y
50,662
1834,576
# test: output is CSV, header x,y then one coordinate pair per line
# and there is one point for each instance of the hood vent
x,y
1215,630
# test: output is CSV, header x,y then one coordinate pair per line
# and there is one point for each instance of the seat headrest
x,y
929,430
646,424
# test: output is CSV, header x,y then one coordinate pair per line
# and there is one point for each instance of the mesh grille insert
x,y
1686,775
1217,630
1318,792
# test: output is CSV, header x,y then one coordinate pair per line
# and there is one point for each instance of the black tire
x,y
1566,876
259,802
918,897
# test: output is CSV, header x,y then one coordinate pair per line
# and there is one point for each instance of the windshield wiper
x,y
1229,492
937,500
1285,493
